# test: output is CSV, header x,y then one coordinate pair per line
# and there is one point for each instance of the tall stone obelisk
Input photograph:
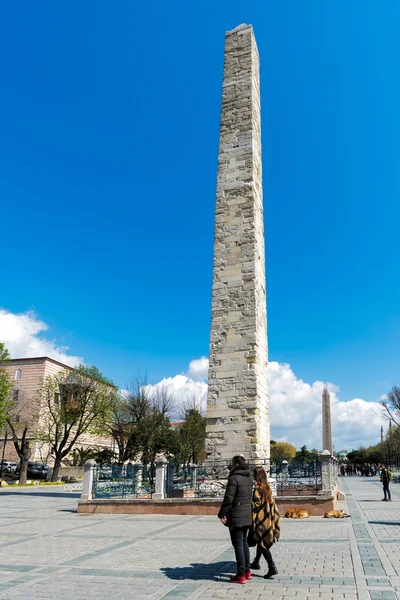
x,y
237,405
326,422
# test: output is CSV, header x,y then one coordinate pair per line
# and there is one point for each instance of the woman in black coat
x,y
235,513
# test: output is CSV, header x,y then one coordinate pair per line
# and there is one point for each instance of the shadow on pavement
x,y
384,523
376,500
215,571
45,494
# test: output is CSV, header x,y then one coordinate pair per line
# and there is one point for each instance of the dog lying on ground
x,y
336,514
297,513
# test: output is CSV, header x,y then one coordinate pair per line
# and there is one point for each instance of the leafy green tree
x,y
81,455
157,438
283,451
372,454
5,385
74,402
123,429
20,431
10,415
192,435
376,454
105,456
305,456
351,457
358,457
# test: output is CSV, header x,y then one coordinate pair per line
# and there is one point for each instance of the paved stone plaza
x,y
48,552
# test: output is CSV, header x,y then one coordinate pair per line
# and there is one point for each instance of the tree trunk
x,y
23,471
56,468
24,453
121,451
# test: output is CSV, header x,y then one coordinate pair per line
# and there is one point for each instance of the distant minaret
x,y
326,421
381,434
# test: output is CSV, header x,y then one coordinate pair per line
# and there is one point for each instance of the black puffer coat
x,y
236,505
385,477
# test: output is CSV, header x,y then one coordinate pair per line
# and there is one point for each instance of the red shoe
x,y
248,575
238,579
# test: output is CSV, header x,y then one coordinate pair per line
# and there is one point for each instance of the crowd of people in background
x,y
365,470
371,470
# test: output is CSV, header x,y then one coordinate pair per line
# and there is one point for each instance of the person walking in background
x,y
266,522
235,513
386,478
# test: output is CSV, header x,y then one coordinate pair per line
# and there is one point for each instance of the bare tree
x,y
194,402
163,400
130,410
140,424
391,405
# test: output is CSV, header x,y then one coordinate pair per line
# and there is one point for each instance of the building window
x,y
15,395
18,374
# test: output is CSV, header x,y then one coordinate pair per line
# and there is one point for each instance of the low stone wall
x,y
74,472
316,505
168,506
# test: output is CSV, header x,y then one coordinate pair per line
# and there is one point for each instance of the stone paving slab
x,y
49,552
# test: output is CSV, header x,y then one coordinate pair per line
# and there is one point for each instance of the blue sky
x,y
108,157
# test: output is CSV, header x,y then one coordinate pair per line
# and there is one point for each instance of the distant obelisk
x,y
326,422
237,405
382,438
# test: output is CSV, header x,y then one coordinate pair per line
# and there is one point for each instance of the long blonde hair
x,y
262,483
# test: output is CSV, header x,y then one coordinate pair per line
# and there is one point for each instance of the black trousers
x,y
386,491
266,554
241,547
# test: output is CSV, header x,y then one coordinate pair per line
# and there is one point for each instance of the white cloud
x,y
19,333
295,407
296,412
198,369
184,389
